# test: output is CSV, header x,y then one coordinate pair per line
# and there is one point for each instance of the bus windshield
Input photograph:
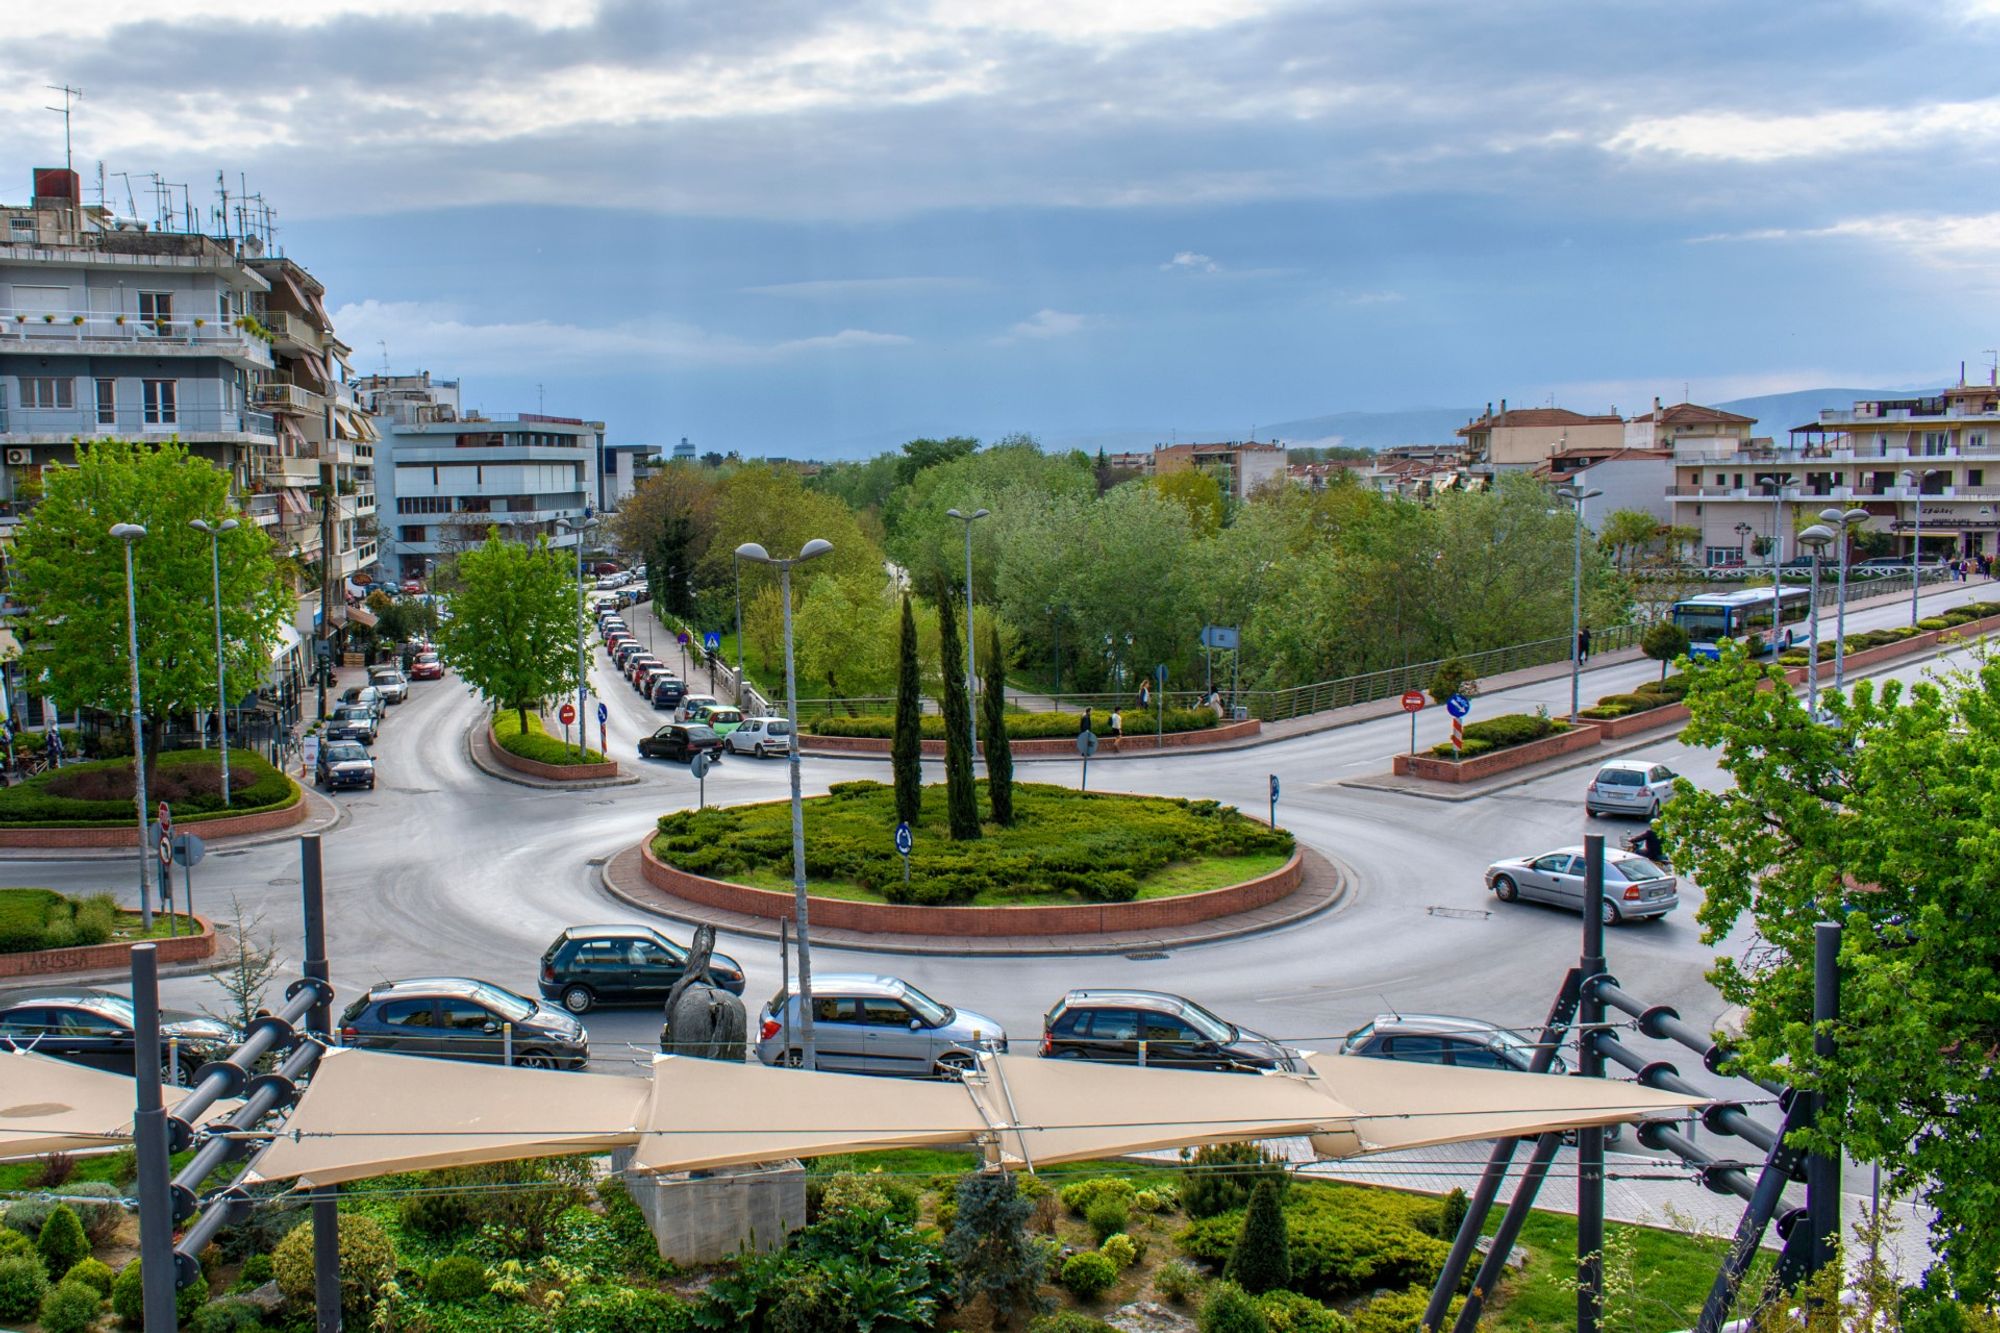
x,y
1704,624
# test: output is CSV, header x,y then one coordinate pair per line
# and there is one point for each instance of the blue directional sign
x,y
1274,786
1160,673
603,712
903,839
1458,705
711,638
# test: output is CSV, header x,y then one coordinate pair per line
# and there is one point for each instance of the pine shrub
x,y
454,1279
1230,1309
1262,1260
94,1273
62,1244
1088,1275
70,1307
23,1283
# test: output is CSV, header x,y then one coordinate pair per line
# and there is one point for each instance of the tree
x,y
249,963
1664,642
1197,492
1452,676
69,580
1262,1259
1627,532
990,1249
961,797
62,1243
999,754
512,635
670,520
906,751
1883,821
843,630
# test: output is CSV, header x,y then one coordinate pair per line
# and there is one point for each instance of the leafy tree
x,y
1262,1260
1883,821
1452,676
406,621
671,520
69,580
961,796
512,635
921,454
906,751
999,753
62,1243
1627,532
1199,493
842,635
1664,642
990,1249
1679,538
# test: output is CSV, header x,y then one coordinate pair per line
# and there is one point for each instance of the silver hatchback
x,y
1629,787
868,1024
1634,887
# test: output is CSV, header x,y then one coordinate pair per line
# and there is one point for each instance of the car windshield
x,y
1636,868
1621,777
930,1011
1207,1024
700,734
340,754
503,1002
425,659
354,712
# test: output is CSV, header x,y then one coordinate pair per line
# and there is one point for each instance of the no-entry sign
x,y
1413,701
567,713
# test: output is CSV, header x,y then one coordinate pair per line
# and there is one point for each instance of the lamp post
x,y
736,558
812,550
129,533
577,526
1576,494
1743,533
1917,544
1838,521
971,672
1815,539
215,531
1779,480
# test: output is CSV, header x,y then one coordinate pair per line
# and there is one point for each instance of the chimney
x,y
1656,406
1503,407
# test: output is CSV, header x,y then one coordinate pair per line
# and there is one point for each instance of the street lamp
x,y
1839,521
736,558
1743,531
577,526
1815,538
812,550
1917,544
971,674
1779,480
1576,494
129,533
215,531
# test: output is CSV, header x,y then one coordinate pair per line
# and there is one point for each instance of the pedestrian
x,y
1583,644
1117,724
1083,724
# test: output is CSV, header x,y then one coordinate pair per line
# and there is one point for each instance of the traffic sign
x,y
188,849
1274,786
166,849
1458,705
567,713
699,765
1086,743
903,839
1218,636
681,638
1413,701
1160,673
603,713
711,638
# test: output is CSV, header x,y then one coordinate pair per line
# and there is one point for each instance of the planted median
x,y
1022,726
99,794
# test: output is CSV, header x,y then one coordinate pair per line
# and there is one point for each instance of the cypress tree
x,y
1262,1260
961,798
906,750
999,755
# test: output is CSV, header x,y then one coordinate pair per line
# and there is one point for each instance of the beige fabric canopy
x,y
49,1105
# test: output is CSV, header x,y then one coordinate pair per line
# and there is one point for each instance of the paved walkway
x,y
1323,885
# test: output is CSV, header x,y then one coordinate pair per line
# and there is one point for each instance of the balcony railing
x,y
64,424
284,396
205,332
287,325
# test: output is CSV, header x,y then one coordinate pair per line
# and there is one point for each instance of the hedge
x,y
1024,726
1653,694
1344,1240
1503,732
537,744
100,792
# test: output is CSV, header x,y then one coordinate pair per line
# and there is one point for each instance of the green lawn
x,y
537,744
1670,1274
100,792
33,919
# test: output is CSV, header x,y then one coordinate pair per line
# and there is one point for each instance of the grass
x,y
1670,1274
537,744
32,919
99,793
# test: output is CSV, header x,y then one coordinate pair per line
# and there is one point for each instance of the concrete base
x,y
706,1216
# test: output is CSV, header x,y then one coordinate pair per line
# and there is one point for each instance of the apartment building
x,y
1239,467
1522,438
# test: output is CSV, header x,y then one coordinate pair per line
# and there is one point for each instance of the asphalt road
x,y
445,870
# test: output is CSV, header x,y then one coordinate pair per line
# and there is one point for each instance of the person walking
x,y
1083,723
1117,725
1583,644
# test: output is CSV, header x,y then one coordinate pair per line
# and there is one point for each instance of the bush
x,y
1120,1250
232,1314
23,1283
70,1307
536,744
13,1242
1020,726
455,1278
93,1273
1078,1197
1289,1312
27,1216
1399,1312
438,1211
1499,733
188,780
1230,1309
1177,1282
1222,1175
1343,1241
1451,1214
128,1296
869,1192
1452,675
989,1247
1107,1217
1088,1275
1934,623
256,1270
1261,1259
62,1244
367,1263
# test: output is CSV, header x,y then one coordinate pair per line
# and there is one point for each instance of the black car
x,y
591,965
1124,1027
351,722
94,1027
669,692
459,1018
682,741
345,764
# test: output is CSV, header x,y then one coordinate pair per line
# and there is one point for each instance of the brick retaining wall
x,y
107,957
1057,919
1137,741
534,768
128,835
1581,736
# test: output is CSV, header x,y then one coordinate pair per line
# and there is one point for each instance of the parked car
x,y
593,965
626,650
427,666
638,665
460,1018
693,704
682,741
722,719
652,677
391,681
1634,887
668,691
1435,1039
761,736
351,722
1629,787
88,1026
867,1024
345,764
368,697
413,586
1153,1028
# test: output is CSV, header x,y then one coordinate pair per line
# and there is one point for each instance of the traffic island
x,y
91,804
499,749
46,933
1035,735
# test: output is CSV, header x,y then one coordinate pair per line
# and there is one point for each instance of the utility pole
x,y
325,642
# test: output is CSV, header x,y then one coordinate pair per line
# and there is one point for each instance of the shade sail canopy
x,y
49,1105
368,1114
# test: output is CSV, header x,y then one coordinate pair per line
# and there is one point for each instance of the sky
x,y
818,228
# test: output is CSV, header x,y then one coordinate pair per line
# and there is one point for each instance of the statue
x,y
702,1019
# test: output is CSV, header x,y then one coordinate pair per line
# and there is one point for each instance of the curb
x,y
474,751
1328,899
324,817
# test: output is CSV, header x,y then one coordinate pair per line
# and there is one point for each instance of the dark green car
x,y
593,965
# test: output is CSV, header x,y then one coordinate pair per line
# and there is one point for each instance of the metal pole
x,y
738,561
319,1021
1840,615
138,737
1495,1264
325,636
1777,523
149,1138
1590,1064
221,687
1917,554
798,828
1576,618
1812,653
971,671
785,978
1823,1169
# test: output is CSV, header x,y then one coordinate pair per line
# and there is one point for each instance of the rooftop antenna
x,y
159,208
222,213
100,183
1995,354
69,94
384,344
187,204
131,204
541,403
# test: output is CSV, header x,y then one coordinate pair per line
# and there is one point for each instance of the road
x,y
445,870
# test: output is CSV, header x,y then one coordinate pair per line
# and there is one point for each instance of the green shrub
x,y
1289,1312
93,1273
128,1296
1177,1282
100,792
367,1263
70,1307
232,1314
1261,1260
605,1309
1220,1176
1020,726
256,1270
1119,1249
1601,712
1069,1321
1107,1217
62,1244
1451,1213
455,1278
868,1193
1499,733
13,1242
27,1216
1088,1275
1343,1240
1230,1309
23,1283
1933,623
989,1247
536,744
438,1210
1399,1312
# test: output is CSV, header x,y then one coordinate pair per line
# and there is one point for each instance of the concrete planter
x,y
1136,741
107,957
549,772
104,835
1581,736
1617,728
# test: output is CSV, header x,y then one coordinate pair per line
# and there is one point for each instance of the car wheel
x,y
956,1064
172,1072
1504,890
578,999
1608,912
1652,812
535,1060
795,1060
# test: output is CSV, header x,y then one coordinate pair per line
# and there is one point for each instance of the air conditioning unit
x,y
20,457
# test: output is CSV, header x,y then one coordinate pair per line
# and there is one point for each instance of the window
x,y
47,392
1975,476
1557,864
161,402
1936,442
878,1013
1975,439
1114,1025
107,402
1468,1056
28,1022
1165,1027
834,1009
1423,1050
463,1015
405,1014
412,532
651,957
83,1023
599,956
156,308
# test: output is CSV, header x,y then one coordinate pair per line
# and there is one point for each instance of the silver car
x,y
868,1024
1633,886
1629,787
391,682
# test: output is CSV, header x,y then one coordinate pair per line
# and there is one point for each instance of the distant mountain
x,y
1777,413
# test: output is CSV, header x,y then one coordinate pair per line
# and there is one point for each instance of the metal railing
x,y
68,422
111,326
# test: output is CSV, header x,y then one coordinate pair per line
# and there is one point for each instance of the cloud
x,y
1754,138
846,289
1941,240
1046,324
1187,261
1368,298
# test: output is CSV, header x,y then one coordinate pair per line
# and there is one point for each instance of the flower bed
x,y
99,794
1501,733
1025,726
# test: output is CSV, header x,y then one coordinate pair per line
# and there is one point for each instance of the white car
x,y
761,736
693,704
1630,787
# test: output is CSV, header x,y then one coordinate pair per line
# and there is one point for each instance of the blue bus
x,y
1763,619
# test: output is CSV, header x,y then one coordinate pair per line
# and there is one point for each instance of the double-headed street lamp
x,y
1815,539
215,531
1779,480
1838,521
736,559
971,672
1576,493
129,533
812,550
1917,479
1743,538
578,526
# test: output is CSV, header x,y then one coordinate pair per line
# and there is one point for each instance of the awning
x,y
289,641
362,616
52,1105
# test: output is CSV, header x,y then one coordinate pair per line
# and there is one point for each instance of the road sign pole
x,y
1413,733
1274,800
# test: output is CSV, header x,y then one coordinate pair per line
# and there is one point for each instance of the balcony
x,y
54,426
292,329
99,333
263,510
288,470
284,396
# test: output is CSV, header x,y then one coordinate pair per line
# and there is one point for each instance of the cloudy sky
x,y
821,226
